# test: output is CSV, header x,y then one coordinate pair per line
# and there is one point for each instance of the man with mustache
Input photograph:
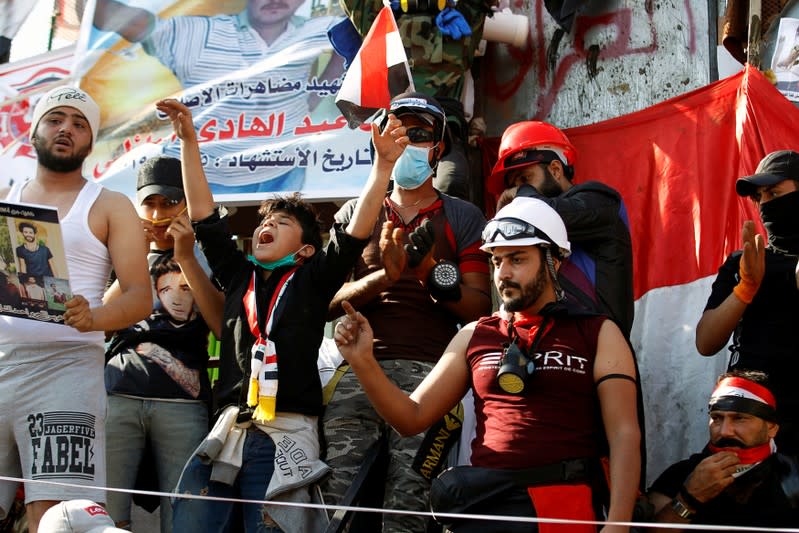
x,y
740,478
554,392
537,160
268,41
755,296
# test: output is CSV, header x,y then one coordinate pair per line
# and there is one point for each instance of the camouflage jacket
x,y
437,62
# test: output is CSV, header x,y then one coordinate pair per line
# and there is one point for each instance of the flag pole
x,y
53,20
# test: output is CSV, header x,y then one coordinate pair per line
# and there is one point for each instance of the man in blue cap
x,y
422,272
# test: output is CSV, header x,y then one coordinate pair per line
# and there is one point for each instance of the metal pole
x,y
53,20
753,38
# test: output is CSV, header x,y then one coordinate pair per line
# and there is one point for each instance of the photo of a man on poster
x,y
260,77
33,255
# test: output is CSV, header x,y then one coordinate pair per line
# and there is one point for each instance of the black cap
x,y
160,175
426,108
775,167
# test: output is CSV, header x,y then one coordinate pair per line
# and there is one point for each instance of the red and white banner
x,y
675,164
20,82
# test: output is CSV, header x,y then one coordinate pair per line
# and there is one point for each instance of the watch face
x,y
446,274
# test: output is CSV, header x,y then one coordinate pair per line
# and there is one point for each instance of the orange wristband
x,y
746,288
745,291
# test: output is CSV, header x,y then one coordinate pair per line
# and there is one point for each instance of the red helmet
x,y
515,150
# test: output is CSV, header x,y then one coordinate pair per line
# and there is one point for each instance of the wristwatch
x,y
444,282
681,510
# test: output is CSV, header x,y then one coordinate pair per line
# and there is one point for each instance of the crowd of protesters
x,y
119,395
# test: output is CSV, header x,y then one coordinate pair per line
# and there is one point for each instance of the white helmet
x,y
526,222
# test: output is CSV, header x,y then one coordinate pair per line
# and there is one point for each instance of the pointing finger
x,y
352,314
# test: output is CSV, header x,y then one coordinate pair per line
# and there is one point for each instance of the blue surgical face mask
x,y
289,260
412,168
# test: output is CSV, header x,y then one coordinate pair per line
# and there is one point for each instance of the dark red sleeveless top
x,y
558,416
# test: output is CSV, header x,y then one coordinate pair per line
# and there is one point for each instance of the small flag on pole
x,y
379,72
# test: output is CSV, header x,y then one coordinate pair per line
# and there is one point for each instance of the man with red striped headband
x,y
739,478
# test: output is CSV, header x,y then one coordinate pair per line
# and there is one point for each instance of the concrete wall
x,y
620,56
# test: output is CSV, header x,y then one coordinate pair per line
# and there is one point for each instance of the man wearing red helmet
x,y
537,160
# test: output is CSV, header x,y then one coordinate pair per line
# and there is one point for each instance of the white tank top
x,y
89,266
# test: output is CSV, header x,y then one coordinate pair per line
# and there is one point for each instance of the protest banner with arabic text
x,y
262,103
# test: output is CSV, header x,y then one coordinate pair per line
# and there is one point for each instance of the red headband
x,y
745,389
744,396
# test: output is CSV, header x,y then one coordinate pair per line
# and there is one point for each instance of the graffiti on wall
x,y
596,38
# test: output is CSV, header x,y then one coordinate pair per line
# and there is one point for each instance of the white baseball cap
x,y
69,97
78,516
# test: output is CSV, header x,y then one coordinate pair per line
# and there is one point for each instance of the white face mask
x,y
412,168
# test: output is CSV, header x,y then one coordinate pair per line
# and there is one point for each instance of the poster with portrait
x,y
259,76
34,282
785,62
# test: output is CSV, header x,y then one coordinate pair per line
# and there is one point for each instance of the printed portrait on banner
x,y
259,76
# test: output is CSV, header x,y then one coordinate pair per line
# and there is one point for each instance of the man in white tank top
x,y
51,375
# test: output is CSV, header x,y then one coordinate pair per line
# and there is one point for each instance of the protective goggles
x,y
511,229
420,135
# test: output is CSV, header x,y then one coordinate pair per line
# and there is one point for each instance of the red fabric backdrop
x,y
675,165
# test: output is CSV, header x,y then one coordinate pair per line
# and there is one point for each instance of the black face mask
x,y
779,216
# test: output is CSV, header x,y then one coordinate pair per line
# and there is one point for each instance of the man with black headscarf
x,y
755,296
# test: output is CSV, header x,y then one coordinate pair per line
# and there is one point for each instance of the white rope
x,y
377,510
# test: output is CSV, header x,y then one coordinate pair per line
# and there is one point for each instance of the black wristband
x,y
690,499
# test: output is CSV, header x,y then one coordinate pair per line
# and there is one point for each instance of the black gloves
x,y
422,240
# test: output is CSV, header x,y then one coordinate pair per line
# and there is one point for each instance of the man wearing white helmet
x,y
554,391
51,429
537,160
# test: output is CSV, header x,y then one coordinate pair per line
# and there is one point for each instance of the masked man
x,y
755,296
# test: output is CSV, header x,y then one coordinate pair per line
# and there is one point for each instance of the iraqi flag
x,y
675,164
379,72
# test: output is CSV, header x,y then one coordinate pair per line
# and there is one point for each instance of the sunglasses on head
x,y
420,135
511,229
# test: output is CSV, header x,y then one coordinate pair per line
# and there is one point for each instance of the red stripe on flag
x,y
374,69
371,81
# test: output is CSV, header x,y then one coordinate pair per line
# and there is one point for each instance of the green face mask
x,y
289,260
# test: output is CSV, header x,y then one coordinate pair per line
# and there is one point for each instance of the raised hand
x,y
391,141
180,116
392,251
183,234
753,260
